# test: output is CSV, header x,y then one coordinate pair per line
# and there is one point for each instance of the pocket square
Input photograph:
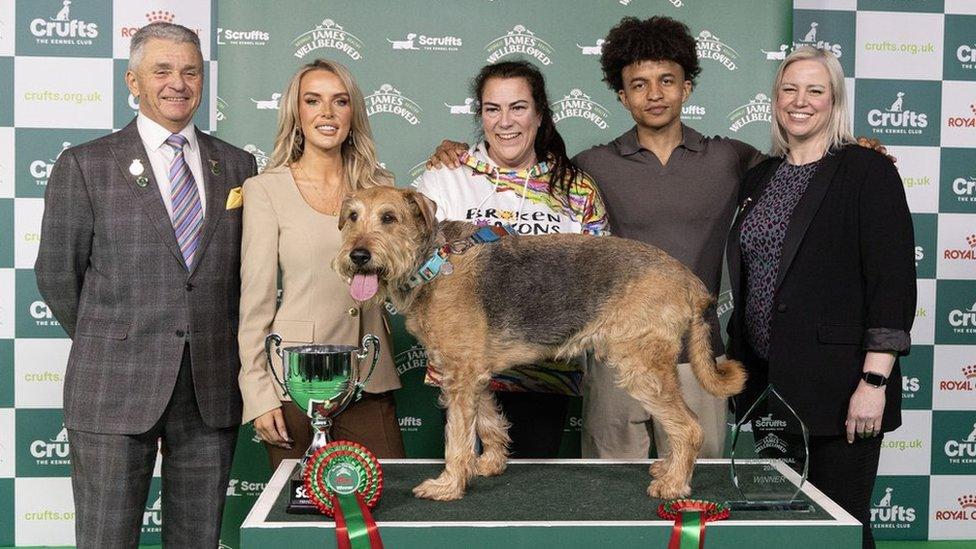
x,y
234,199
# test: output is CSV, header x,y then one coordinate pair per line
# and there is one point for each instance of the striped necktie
x,y
187,208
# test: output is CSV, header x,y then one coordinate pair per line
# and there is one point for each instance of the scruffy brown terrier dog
x,y
526,298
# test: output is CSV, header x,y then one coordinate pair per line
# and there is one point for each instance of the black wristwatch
x,y
874,380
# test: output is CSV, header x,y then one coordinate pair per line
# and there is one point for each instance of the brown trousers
x,y
371,422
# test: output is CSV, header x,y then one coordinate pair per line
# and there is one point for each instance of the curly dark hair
x,y
549,145
656,39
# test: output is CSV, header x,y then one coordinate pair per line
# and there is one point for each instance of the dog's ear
x,y
344,211
425,208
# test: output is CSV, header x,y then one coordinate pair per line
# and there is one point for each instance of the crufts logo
x,y
419,42
62,29
967,253
966,54
885,514
390,100
758,109
577,104
328,34
964,189
710,46
896,119
811,38
52,452
40,170
963,121
152,516
963,321
962,451
519,41
965,511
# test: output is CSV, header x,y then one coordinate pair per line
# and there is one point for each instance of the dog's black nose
x,y
360,256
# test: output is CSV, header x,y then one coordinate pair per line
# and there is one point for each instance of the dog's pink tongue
x,y
363,286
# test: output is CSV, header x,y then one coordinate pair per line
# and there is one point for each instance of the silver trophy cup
x,y
322,380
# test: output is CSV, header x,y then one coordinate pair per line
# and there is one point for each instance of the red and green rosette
x,y
690,517
344,480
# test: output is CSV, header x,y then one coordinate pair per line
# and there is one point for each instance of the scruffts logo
x,y
519,41
770,423
693,112
758,109
962,451
389,100
896,119
963,121
777,54
966,510
710,46
422,42
577,104
52,452
596,49
233,37
40,170
62,29
328,34
467,107
885,514
410,424
260,156
811,38
240,488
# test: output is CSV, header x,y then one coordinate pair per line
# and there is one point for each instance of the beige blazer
x,y
282,231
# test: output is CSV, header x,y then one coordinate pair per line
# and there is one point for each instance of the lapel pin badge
x,y
214,167
142,181
136,168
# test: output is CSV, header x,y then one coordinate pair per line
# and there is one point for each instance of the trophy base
x,y
794,505
298,500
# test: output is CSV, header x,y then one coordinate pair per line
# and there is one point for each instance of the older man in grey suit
x,y
139,260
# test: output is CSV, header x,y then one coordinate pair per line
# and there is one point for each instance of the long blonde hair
x,y
358,151
838,128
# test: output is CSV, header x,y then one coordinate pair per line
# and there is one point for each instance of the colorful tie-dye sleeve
x,y
587,199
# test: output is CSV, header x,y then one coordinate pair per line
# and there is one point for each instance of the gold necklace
x,y
325,200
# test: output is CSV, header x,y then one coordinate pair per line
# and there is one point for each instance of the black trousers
x,y
537,422
846,474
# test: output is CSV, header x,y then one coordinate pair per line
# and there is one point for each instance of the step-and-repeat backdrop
x,y
911,68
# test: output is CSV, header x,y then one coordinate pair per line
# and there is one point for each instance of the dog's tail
x,y
722,380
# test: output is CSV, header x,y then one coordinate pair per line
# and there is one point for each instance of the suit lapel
x,y
214,172
128,149
805,211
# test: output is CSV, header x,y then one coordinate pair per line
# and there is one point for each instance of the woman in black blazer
x,y
821,260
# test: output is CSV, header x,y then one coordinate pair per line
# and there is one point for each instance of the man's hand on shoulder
x,y
447,154
872,143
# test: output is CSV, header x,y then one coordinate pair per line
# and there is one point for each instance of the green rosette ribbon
x,y
690,517
344,481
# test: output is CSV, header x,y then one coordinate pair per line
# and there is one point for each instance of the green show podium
x,y
562,503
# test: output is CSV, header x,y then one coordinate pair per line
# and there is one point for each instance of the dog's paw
x,y
490,466
658,468
438,490
667,490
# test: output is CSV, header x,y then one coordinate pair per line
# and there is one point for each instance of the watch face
x,y
872,378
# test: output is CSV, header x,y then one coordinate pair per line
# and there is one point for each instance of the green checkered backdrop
x,y
413,59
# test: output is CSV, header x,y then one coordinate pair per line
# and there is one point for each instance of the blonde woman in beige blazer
x,y
323,150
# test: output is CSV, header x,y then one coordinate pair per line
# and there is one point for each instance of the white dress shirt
x,y
161,156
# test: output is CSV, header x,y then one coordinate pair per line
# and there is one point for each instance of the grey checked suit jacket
x,y
110,270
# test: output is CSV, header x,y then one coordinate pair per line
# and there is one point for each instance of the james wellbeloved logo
x,y
328,35
412,359
577,104
772,441
236,37
389,100
260,156
711,47
421,42
757,109
519,41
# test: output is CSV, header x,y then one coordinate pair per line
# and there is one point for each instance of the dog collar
x,y
438,262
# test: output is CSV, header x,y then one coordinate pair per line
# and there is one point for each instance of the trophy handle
x,y
368,340
276,339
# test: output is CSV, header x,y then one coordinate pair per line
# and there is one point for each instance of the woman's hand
x,y
270,426
447,154
864,412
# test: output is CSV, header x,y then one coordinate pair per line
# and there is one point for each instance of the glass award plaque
x,y
767,441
